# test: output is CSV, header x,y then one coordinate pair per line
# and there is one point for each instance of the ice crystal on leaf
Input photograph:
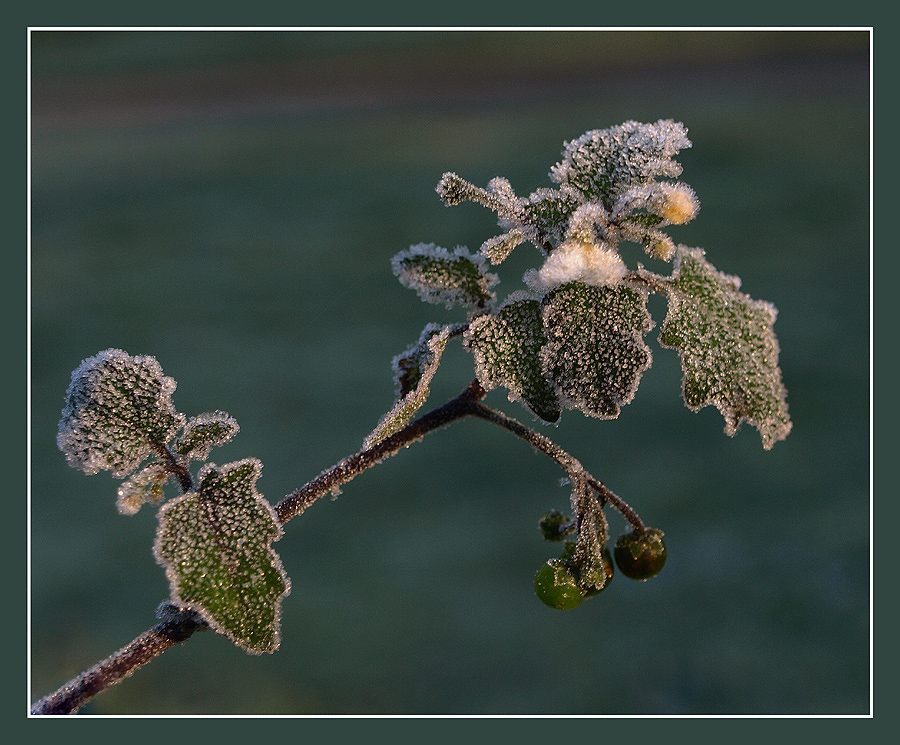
x,y
727,345
595,352
507,346
215,545
118,411
413,371
203,432
443,277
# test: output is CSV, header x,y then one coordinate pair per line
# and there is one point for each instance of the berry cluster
x,y
562,583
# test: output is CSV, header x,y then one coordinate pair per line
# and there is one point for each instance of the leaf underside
x,y
215,545
413,371
729,352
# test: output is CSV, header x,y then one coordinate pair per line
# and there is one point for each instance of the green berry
x,y
555,526
555,586
641,555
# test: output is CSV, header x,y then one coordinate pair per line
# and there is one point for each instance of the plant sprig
x,y
572,337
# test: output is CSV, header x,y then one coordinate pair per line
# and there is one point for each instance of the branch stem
x,y
152,643
175,629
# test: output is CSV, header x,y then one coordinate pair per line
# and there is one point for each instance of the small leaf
x,y
144,486
443,277
496,249
215,545
413,370
728,348
203,432
506,346
118,411
595,352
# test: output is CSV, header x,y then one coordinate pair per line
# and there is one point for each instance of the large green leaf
x,y
215,545
507,346
118,411
595,352
413,370
727,345
440,276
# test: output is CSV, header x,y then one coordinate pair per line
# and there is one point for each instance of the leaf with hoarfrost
x,y
439,276
203,432
413,371
118,411
602,163
507,346
144,486
215,545
595,352
728,348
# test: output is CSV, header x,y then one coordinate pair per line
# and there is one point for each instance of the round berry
x,y
641,555
555,586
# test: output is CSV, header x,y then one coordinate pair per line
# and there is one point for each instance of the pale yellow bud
x,y
678,206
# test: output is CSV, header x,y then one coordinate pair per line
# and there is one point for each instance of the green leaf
x,y
203,432
144,486
215,545
118,411
413,371
595,352
728,348
443,277
507,346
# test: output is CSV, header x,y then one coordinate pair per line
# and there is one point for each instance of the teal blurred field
x,y
229,203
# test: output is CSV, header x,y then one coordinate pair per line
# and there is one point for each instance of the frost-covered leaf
x,y
413,371
595,352
507,346
203,432
440,276
215,545
728,347
602,163
144,486
118,411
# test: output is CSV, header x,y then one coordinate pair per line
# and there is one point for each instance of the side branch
x,y
565,461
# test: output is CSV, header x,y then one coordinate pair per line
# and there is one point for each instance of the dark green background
x,y
229,202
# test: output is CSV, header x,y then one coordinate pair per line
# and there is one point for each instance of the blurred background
x,y
229,202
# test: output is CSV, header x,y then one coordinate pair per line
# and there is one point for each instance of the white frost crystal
x,y
581,261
